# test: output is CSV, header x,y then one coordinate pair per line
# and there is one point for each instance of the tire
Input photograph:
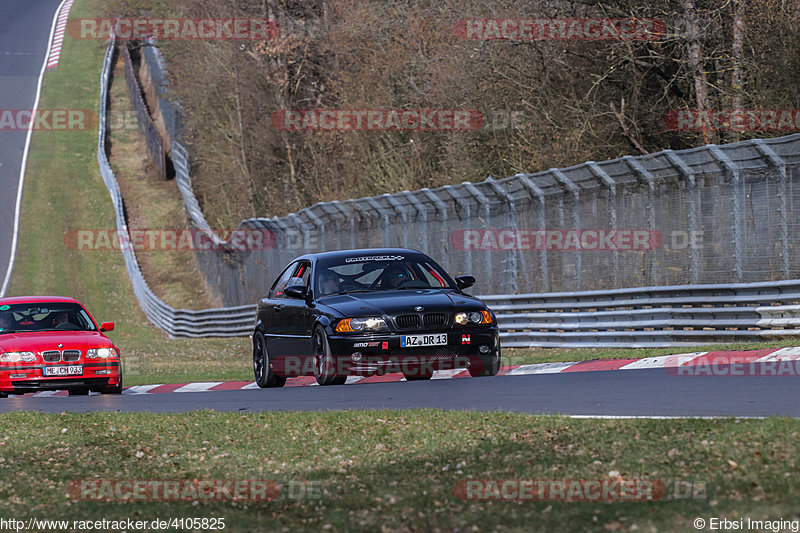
x,y
78,392
117,389
324,364
265,377
3,395
418,374
423,377
485,366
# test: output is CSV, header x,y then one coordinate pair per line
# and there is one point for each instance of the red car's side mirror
x,y
107,326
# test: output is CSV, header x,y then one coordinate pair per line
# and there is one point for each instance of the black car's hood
x,y
400,301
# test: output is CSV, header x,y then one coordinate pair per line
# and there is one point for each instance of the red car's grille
x,y
51,356
54,356
71,355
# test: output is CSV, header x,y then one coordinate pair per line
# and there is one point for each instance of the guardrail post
x,y
423,212
612,189
353,210
383,215
512,255
783,177
392,201
736,206
645,174
462,204
320,229
487,212
304,229
576,218
693,197
534,190
442,209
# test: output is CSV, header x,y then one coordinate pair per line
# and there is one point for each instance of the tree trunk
x,y
695,54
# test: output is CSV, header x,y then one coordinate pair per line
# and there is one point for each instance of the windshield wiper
x,y
356,290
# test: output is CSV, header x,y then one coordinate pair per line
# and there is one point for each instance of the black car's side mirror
x,y
295,291
464,282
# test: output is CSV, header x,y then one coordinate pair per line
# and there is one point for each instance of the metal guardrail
x,y
222,322
680,315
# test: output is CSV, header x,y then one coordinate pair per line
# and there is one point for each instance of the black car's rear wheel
x,y
324,363
265,377
485,366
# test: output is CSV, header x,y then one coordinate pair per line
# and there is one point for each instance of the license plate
x,y
71,370
436,339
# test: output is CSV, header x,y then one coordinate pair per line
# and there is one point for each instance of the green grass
x,y
395,471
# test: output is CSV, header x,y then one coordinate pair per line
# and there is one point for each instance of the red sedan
x,y
53,343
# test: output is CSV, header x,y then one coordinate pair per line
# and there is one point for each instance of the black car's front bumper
x,y
381,354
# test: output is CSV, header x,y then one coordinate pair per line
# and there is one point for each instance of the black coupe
x,y
371,311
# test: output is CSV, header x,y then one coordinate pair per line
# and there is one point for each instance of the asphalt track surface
x,y
645,393
24,36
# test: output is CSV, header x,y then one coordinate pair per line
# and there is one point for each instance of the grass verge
x,y
395,471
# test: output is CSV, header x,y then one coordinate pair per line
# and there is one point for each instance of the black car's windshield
x,y
44,316
379,273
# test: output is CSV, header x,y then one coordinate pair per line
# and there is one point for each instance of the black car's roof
x,y
335,254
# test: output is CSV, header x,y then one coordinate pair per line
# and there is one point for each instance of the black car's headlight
x,y
473,317
372,324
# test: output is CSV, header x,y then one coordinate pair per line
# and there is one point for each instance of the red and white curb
x,y
773,355
58,36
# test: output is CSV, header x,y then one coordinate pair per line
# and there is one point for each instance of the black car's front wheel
x,y
324,363
265,377
485,365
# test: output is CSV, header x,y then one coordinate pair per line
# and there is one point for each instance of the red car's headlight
x,y
17,357
100,353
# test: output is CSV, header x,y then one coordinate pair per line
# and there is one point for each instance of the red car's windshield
x,y
44,316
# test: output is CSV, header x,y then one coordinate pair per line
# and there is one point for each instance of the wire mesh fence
x,y
714,214
709,215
